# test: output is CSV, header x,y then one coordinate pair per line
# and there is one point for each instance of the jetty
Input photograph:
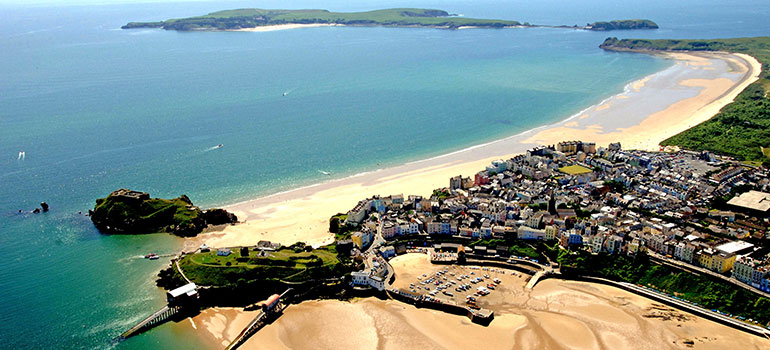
x,y
273,307
179,300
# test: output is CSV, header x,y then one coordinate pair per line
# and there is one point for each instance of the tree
x,y
334,225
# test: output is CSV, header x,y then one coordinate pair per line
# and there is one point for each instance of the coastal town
x,y
479,246
693,211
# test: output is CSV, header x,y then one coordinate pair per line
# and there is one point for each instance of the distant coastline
x,y
267,20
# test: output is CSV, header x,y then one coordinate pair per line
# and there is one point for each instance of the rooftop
x,y
734,246
755,200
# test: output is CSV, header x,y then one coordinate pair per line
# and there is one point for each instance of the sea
x,y
95,108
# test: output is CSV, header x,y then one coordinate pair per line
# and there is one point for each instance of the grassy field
x,y
285,264
575,170
250,18
741,128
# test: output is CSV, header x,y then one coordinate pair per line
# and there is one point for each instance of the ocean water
x,y
97,108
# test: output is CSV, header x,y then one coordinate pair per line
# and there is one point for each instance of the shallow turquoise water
x,y
96,108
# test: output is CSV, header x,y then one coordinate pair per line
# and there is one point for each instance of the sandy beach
x,y
286,26
650,110
554,315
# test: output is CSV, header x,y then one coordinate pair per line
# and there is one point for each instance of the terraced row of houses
x,y
600,199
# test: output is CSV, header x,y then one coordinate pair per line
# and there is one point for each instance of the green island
x,y
396,17
132,212
742,128
627,24
250,18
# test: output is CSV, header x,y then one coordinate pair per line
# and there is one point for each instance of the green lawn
x,y
575,170
285,264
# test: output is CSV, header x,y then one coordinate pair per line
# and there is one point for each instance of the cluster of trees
x,y
707,291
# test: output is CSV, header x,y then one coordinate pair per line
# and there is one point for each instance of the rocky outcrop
x,y
132,212
219,217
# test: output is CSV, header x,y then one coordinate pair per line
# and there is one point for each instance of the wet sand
x,y
555,315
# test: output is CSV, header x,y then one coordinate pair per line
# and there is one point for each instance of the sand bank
x,y
286,26
554,315
650,110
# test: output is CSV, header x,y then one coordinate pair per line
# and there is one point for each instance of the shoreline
x,y
597,316
274,27
653,108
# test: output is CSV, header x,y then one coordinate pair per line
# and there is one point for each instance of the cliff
x,y
132,212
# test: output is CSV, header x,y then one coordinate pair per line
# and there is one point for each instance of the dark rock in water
x,y
36,211
132,212
219,217
44,205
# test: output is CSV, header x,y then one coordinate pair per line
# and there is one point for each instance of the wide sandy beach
x,y
554,315
650,110
286,26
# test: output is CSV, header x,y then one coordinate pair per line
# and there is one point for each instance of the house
x,y
361,239
388,251
529,233
551,232
223,251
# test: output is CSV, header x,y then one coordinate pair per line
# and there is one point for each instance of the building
x,y
753,202
388,229
614,244
361,239
183,294
456,182
358,213
723,262
529,233
749,271
551,232
388,251
597,242
223,251
736,247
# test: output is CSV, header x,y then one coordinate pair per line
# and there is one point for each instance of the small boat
x,y
151,256
154,257
220,145
325,172
285,93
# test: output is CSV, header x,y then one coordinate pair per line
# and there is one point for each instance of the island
x,y
742,128
627,24
250,18
126,211
253,17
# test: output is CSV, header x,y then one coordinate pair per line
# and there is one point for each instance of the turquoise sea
x,y
97,108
